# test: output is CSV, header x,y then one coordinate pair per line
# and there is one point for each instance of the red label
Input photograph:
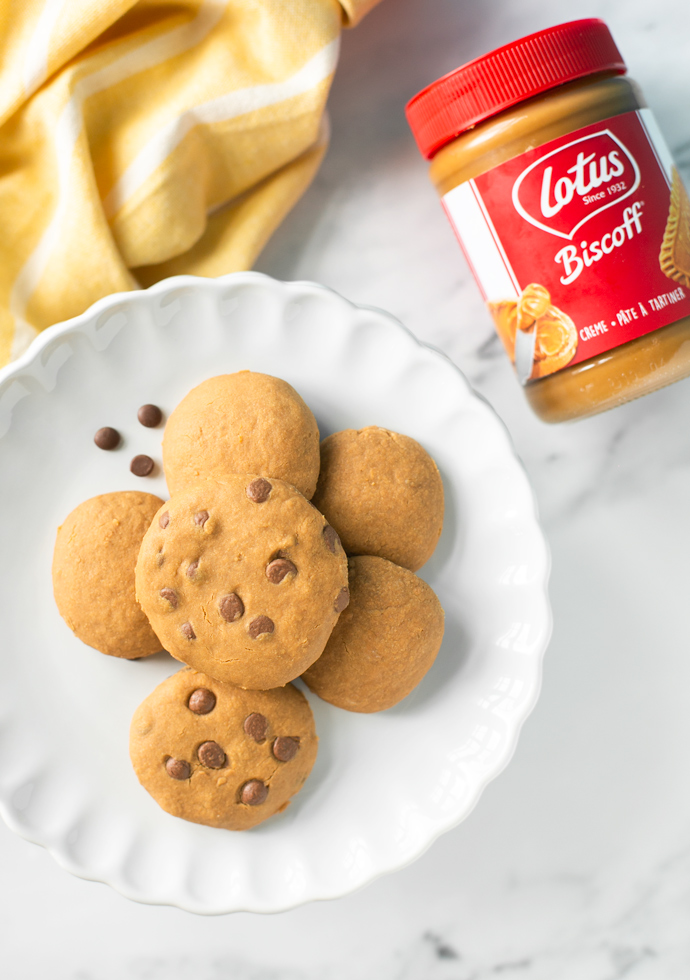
x,y
579,245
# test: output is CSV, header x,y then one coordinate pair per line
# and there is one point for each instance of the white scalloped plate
x,y
385,785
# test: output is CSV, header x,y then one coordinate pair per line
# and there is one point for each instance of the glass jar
x,y
575,223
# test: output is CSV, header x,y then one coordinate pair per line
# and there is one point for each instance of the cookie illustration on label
x,y
504,314
555,344
555,340
534,301
674,257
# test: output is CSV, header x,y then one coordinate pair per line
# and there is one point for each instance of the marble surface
x,y
576,863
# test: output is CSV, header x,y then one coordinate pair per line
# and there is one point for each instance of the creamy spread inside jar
x,y
571,214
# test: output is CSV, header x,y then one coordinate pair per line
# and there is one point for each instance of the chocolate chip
x,y
150,416
211,755
188,630
259,490
107,438
262,624
141,465
256,726
285,748
277,569
201,518
191,568
164,519
342,600
178,768
331,537
254,792
231,607
170,595
201,701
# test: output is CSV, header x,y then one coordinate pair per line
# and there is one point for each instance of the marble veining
x,y
575,864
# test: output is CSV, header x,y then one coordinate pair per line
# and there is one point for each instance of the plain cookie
x,y
93,573
382,493
242,579
384,642
215,754
241,423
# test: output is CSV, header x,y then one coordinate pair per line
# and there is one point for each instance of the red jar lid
x,y
508,75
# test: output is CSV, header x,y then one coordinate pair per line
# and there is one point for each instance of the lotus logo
x,y
562,190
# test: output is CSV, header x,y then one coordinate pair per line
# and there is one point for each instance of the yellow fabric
x,y
140,140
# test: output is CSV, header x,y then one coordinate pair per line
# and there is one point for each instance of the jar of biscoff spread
x,y
571,214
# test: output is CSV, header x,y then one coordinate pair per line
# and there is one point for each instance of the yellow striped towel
x,y
140,140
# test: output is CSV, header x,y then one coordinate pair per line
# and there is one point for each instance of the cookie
x,y
215,754
93,573
382,493
241,423
243,580
384,642
674,257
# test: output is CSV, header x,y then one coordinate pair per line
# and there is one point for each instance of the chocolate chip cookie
x,y
384,642
242,423
215,754
383,494
242,579
93,573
